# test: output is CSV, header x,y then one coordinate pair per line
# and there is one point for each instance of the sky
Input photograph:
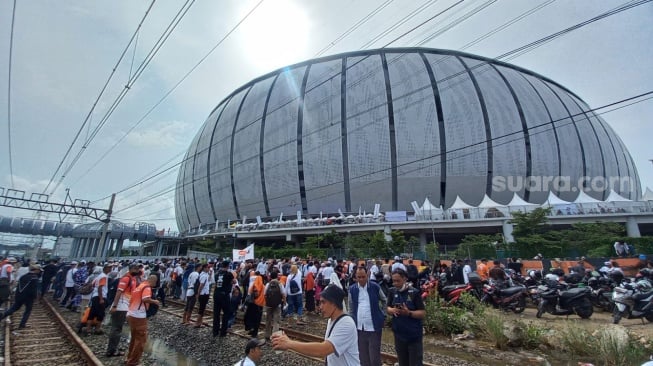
x,y
64,51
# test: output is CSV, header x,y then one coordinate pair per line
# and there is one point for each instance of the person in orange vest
x,y
483,270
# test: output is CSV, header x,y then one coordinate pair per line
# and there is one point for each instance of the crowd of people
x,y
354,296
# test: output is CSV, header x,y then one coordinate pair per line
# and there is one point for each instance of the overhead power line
x,y
106,84
351,29
167,94
11,51
150,56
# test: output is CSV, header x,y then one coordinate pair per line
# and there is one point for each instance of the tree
x,y
479,246
530,223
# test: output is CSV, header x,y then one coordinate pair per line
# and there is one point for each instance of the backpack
x,y
273,296
112,289
411,271
85,289
196,285
150,309
294,287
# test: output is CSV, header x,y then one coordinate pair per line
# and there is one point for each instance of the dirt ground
x,y
482,352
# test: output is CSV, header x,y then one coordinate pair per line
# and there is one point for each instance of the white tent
x,y
429,211
552,200
489,208
616,197
559,206
460,209
518,204
587,204
648,196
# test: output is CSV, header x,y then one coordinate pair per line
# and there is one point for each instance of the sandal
x,y
116,354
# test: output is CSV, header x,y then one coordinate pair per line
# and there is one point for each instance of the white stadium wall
x,y
393,126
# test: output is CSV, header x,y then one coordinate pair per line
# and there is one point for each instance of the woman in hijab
x,y
254,310
335,281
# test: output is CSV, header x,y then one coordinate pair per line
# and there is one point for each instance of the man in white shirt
x,y
340,344
374,270
366,302
191,294
203,291
253,353
70,284
467,269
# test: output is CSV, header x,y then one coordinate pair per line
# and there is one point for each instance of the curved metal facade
x,y
392,126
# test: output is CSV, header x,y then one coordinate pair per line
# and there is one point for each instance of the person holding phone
x,y
406,307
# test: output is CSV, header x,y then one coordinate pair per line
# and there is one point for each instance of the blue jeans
x,y
295,304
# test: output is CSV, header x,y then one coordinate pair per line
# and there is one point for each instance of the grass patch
x,y
493,328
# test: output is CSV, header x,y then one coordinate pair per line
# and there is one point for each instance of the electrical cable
x,y
106,84
399,23
165,96
11,52
155,49
351,29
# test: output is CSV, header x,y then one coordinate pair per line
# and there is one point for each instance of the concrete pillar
x,y
422,241
386,233
73,247
178,247
632,227
118,252
507,232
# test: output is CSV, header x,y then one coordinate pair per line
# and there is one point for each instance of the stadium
x,y
392,126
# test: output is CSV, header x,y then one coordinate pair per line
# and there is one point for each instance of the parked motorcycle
x,y
601,295
429,288
555,299
451,293
511,298
633,301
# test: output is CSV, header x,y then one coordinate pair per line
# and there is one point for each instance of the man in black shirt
x,y
26,293
49,271
224,280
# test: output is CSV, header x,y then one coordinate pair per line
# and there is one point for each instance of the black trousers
x,y
409,353
253,317
221,303
18,302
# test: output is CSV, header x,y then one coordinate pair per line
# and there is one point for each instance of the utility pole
x,y
105,227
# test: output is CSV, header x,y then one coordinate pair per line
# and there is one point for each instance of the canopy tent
x,y
587,204
518,204
429,211
616,197
552,200
488,208
460,209
648,196
559,206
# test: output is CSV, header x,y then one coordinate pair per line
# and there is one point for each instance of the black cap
x,y
334,295
253,343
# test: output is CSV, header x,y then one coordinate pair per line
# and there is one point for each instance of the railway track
x,y
47,340
178,310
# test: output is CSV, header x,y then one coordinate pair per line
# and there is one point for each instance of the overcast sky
x,y
64,51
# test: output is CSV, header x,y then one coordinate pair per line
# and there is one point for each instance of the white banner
x,y
241,255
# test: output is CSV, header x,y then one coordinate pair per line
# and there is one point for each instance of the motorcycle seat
x,y
573,292
511,290
642,295
449,288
